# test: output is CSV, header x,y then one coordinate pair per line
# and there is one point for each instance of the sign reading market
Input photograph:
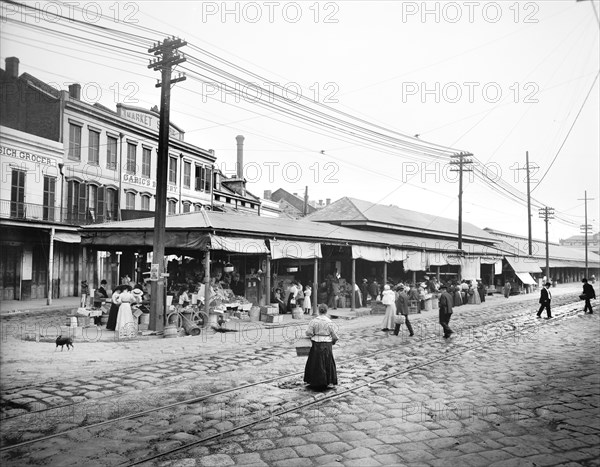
x,y
148,118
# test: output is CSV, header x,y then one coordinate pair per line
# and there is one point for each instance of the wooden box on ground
x,y
274,319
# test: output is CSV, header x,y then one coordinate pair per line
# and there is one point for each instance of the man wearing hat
x,y
402,309
445,305
545,299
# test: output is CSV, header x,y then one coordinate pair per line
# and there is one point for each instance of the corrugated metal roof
x,y
269,227
351,210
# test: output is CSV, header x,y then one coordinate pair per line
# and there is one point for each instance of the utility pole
x,y
547,213
169,56
462,161
527,168
586,228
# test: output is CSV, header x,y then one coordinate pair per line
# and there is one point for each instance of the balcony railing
x,y
38,212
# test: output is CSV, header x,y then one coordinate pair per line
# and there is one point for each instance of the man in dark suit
x,y
402,309
545,299
445,304
590,293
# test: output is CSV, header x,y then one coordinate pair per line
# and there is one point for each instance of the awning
x,y
238,244
437,258
416,261
188,240
67,237
369,253
294,249
523,264
526,278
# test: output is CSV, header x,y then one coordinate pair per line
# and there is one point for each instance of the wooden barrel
x,y
170,331
254,313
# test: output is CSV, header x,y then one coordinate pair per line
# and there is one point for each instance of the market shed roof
x,y
191,230
359,213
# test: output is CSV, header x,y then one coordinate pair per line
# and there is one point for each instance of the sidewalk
x,y
8,307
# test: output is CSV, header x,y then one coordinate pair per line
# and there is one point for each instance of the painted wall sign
x,y
27,156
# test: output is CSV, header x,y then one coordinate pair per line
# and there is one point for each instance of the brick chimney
x,y
75,90
268,194
240,156
12,67
327,201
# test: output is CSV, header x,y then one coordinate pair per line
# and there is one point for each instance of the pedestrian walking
x,y
445,311
589,293
545,299
402,309
373,290
320,371
388,298
507,288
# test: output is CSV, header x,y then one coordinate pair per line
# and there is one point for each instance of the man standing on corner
x,y
590,293
445,304
545,299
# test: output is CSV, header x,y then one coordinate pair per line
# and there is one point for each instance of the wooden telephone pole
x,y
528,168
585,228
463,160
169,56
547,213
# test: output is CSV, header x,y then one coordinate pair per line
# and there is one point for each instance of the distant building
x,y
578,241
293,205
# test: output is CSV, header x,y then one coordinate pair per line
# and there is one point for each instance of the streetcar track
x,y
279,378
215,373
335,395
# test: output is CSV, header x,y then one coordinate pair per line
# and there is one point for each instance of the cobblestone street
x,y
507,389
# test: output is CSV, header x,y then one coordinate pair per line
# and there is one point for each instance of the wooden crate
x,y
274,319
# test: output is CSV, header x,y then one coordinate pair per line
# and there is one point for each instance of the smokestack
x,y
240,156
12,67
268,194
75,90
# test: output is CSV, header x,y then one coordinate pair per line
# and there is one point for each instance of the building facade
x,y
67,163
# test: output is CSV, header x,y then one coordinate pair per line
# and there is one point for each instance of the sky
x,y
492,79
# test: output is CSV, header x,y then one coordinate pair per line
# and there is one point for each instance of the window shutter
x,y
100,207
81,204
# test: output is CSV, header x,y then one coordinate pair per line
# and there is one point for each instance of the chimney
x,y
75,90
327,201
268,194
295,194
320,202
12,67
240,156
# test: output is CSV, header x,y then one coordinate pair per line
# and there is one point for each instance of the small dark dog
x,y
62,341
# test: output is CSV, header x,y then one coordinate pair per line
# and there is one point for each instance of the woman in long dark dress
x,y
320,371
114,309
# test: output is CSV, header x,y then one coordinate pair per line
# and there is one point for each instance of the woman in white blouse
x,y
320,371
